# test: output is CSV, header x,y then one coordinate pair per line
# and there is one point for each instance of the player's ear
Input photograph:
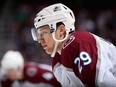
x,y
61,30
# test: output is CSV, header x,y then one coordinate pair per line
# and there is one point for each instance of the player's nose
x,y
40,40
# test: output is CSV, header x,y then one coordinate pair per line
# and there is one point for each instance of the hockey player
x,y
79,58
28,74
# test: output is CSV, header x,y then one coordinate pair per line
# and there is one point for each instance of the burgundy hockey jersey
x,y
36,75
82,62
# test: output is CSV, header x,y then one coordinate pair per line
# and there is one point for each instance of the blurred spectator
x,y
101,21
85,21
111,29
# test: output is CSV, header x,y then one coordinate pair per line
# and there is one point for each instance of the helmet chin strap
x,y
55,48
56,43
53,35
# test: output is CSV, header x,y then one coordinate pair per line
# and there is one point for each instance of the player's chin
x,y
48,52
12,78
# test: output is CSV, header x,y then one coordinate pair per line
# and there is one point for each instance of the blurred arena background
x,y
16,20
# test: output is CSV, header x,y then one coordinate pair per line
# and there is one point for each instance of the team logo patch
x,y
32,71
57,8
68,41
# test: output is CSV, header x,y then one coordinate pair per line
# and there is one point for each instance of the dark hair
x,y
59,23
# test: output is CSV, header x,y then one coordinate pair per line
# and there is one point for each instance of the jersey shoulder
x,y
30,70
81,55
78,38
77,42
36,73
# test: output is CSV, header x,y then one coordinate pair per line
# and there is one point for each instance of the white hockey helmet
x,y
12,60
53,14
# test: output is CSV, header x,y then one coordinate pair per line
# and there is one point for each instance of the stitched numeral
x,y
84,56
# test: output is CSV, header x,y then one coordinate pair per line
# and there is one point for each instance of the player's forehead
x,y
10,70
43,28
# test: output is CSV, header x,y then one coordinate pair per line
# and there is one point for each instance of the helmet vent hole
x,y
43,18
71,14
39,20
65,7
71,31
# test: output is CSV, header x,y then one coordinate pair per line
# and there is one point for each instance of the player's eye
x,y
43,34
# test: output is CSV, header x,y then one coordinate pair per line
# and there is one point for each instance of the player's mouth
x,y
45,47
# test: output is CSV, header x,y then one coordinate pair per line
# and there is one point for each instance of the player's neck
x,y
59,49
60,45
20,73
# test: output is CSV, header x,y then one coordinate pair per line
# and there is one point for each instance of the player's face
x,y
14,74
11,73
45,39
